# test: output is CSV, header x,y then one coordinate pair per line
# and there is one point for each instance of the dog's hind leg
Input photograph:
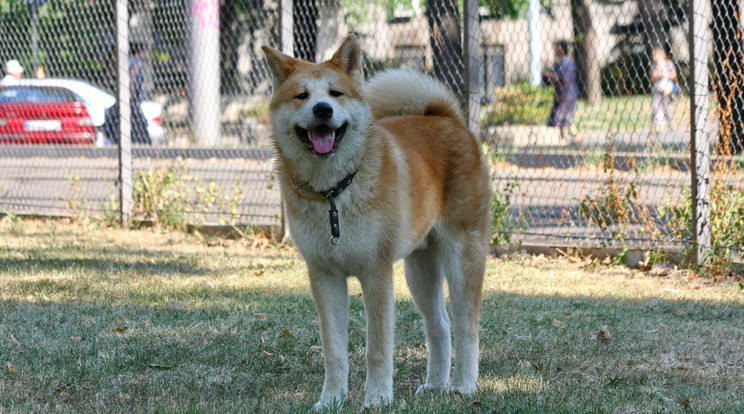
x,y
379,307
464,268
426,283
332,302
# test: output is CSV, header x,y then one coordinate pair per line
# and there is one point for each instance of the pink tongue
x,y
322,138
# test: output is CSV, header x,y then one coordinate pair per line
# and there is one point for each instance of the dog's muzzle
x,y
321,139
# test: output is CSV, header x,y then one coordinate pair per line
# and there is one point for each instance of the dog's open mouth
x,y
321,139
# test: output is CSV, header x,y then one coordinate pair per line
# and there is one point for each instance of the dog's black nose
x,y
323,110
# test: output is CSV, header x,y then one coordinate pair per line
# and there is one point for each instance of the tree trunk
x,y
728,79
305,16
446,44
652,26
586,52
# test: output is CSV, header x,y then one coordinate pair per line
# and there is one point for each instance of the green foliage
x,y
503,222
676,217
726,199
612,209
71,44
726,214
518,104
161,196
169,197
512,9
627,75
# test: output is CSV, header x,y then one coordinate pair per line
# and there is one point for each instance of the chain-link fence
x,y
585,107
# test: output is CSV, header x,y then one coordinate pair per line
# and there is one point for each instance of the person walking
x,y
13,72
139,132
663,81
140,135
565,93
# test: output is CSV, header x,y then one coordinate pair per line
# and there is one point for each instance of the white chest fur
x,y
359,235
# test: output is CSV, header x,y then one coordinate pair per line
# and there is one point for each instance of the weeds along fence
x,y
199,86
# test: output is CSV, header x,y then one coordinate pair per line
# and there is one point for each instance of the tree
x,y
585,39
446,43
728,78
648,30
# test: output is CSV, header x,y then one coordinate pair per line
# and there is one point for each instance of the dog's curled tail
x,y
396,92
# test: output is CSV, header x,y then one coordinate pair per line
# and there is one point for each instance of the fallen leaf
x,y
11,368
120,329
259,273
261,316
266,354
592,336
286,333
604,333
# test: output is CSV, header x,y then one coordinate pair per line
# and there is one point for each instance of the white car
x,y
97,100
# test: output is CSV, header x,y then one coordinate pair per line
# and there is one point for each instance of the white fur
x,y
388,93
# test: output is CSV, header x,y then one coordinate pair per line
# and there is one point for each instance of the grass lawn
x,y
112,321
522,104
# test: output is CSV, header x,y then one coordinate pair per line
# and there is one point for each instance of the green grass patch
x,y
523,104
140,321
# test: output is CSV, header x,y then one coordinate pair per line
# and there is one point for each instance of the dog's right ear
x,y
280,64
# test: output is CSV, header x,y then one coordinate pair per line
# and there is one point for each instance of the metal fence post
x,y
124,114
286,44
700,134
472,59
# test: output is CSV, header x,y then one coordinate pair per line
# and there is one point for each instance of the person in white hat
x,y
14,72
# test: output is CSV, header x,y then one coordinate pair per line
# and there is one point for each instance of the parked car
x,y
98,100
43,115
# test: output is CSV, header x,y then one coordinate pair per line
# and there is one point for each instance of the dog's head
x,y
318,107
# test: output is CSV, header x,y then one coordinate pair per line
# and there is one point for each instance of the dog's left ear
x,y
348,58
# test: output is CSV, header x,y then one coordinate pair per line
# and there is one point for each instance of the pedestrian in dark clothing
x,y
139,132
565,93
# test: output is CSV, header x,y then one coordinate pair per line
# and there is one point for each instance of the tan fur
x,y
421,193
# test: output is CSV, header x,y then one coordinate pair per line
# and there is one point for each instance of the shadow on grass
x,y
257,350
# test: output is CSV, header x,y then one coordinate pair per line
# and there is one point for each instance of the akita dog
x,y
371,174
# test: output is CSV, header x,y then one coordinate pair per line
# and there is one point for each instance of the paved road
x,y
551,182
77,181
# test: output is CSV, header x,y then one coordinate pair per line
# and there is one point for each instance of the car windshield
x,y
35,94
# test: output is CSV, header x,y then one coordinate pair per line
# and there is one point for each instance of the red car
x,y
43,115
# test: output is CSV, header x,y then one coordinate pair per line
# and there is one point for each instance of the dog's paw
x,y
333,404
372,402
429,389
462,390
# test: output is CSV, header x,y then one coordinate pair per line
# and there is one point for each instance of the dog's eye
x,y
302,96
335,94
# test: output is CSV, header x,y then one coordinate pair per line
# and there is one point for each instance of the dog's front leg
x,y
379,307
332,302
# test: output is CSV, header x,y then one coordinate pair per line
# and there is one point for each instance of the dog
x,y
370,174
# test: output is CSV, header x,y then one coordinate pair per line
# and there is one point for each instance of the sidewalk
x,y
544,136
